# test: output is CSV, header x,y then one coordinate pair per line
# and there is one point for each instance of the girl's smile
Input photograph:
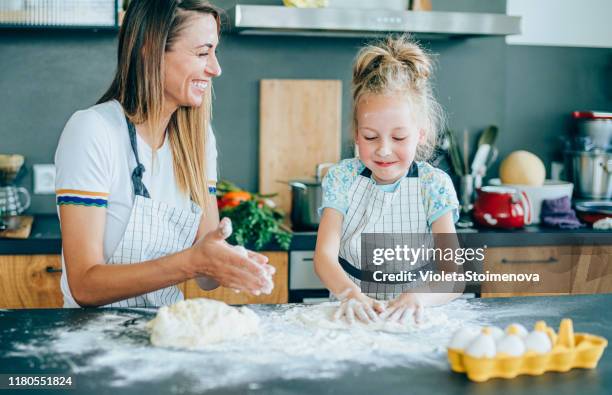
x,y
387,136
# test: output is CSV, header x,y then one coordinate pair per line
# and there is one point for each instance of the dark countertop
x,y
26,334
46,238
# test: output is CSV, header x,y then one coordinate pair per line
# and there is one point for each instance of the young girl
x,y
389,188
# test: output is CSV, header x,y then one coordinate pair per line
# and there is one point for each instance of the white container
x,y
550,190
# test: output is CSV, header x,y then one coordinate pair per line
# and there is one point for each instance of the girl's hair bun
x,y
397,65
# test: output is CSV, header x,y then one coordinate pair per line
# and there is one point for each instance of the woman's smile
x,y
200,85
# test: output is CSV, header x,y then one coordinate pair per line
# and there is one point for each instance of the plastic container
x,y
569,351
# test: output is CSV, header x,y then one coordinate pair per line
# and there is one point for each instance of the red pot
x,y
502,207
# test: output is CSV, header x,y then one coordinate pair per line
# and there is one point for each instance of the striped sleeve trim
x,y
212,187
81,198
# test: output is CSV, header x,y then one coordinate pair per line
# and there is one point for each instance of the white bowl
x,y
551,189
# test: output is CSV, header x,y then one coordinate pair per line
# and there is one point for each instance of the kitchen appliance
x,y
13,200
502,207
550,190
306,198
355,22
304,284
596,126
591,173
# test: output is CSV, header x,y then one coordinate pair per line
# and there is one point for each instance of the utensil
x,y
597,126
466,169
489,136
454,153
502,207
486,154
306,198
591,173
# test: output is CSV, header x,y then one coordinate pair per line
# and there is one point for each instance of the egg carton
x,y
570,350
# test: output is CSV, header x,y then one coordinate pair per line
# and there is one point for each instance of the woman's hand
x,y
353,304
405,308
232,267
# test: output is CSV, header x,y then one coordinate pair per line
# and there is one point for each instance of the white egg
x,y
512,345
482,347
497,333
462,337
520,329
538,342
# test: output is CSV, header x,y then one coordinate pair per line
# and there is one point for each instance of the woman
x,y
136,172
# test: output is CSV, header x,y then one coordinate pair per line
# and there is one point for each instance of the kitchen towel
x,y
559,213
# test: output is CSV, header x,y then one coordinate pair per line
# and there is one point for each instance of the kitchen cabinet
x,y
30,281
33,281
563,270
564,23
280,294
593,271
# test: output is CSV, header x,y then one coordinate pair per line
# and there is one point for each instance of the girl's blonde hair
x,y
399,66
149,29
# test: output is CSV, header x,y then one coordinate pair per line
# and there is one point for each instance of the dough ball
x,y
522,168
197,323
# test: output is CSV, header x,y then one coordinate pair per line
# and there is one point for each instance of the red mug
x,y
502,207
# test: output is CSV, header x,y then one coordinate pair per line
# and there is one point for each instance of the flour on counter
x,y
287,346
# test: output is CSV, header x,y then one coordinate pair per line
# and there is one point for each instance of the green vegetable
x,y
256,224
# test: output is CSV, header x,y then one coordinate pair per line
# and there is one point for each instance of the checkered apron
x,y
372,210
155,229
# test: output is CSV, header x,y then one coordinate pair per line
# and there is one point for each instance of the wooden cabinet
x,y
280,294
562,270
30,281
592,272
33,281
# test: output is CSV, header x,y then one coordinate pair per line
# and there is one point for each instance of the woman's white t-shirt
x,y
94,163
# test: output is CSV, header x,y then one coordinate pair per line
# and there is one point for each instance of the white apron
x,y
155,229
372,210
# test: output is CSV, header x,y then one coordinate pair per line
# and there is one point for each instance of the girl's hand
x,y
356,304
232,267
405,308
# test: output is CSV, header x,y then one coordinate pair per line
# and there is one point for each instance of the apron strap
x,y
139,188
412,172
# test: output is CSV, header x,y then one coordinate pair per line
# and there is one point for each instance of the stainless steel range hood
x,y
338,22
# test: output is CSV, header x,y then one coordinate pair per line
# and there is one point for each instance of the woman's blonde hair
x,y
397,65
149,29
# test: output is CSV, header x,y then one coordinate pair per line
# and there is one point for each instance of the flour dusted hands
x,y
354,304
407,307
232,267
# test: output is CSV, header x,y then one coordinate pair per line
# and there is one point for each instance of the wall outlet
x,y
44,179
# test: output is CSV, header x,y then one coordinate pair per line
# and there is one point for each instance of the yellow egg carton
x,y
569,350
